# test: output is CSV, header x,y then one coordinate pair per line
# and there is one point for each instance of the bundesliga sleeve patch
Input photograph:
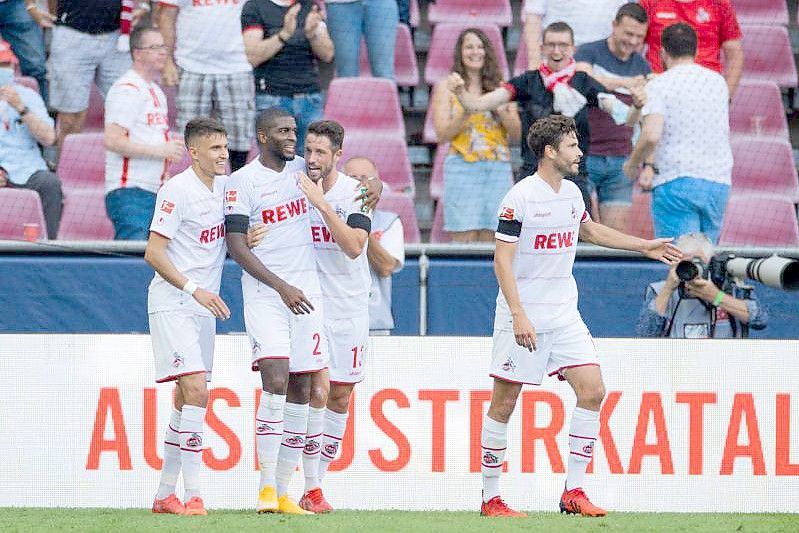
x,y
506,213
585,218
167,207
231,199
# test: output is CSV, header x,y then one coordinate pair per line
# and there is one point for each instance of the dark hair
x,y
558,27
137,36
679,40
549,131
490,75
202,127
634,11
330,129
266,119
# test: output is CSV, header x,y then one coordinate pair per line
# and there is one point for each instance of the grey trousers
x,y
48,186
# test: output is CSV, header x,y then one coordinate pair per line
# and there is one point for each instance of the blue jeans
x,y
26,40
612,186
305,108
687,205
375,20
131,211
473,192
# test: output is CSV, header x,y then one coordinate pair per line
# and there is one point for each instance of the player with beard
x,y
340,227
537,327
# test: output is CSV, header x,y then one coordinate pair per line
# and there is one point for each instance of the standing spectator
x,y
283,40
138,149
21,24
84,50
477,171
374,20
716,26
385,251
590,20
615,63
686,118
24,124
213,75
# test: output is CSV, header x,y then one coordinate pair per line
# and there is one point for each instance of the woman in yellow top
x,y
477,171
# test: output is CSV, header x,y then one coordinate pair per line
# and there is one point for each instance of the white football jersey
x,y
546,249
345,282
275,199
193,218
140,107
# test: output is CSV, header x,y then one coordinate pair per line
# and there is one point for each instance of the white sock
x,y
171,468
192,420
313,445
493,442
295,426
583,432
268,433
335,425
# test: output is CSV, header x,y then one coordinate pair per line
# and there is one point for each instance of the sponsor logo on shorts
x,y
509,365
506,213
331,449
295,441
194,441
167,207
588,449
490,459
177,359
263,429
311,446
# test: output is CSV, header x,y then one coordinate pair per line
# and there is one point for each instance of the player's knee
x,y
593,396
276,384
502,408
195,393
299,389
320,391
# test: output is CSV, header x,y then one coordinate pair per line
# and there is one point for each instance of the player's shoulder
x,y
346,186
178,182
245,173
129,81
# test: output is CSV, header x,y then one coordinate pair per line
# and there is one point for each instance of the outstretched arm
x,y
657,249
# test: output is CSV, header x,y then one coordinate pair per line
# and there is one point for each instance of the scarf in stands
x,y
125,23
566,99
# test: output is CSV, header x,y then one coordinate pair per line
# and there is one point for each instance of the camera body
x,y
715,270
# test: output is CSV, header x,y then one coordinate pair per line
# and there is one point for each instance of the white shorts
x,y
558,349
348,341
277,333
183,344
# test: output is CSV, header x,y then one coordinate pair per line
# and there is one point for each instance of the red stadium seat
x,y
27,81
759,221
764,166
437,177
406,71
84,217
442,44
469,12
389,153
403,206
520,63
761,11
640,221
368,105
757,109
437,233
17,208
768,55
429,130
82,161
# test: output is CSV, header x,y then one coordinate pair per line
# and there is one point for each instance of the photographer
x,y
698,308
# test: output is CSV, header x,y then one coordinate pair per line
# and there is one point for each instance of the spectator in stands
x,y
477,171
697,309
138,149
615,63
21,24
385,251
373,20
283,40
686,126
214,75
590,20
25,125
84,50
716,25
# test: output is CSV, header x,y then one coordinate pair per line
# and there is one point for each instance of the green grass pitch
x,y
131,520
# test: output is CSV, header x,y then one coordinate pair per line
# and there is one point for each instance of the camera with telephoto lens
x,y
725,269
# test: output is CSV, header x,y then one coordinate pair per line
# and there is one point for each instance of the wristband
x,y
190,287
719,298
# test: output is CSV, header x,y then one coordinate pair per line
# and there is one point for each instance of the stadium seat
x,y
442,44
27,81
761,11
429,130
82,161
414,14
17,208
406,71
640,221
468,11
437,176
520,62
764,166
84,217
437,233
403,206
757,109
389,153
367,105
768,55
759,221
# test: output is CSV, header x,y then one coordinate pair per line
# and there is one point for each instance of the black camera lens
x,y
687,270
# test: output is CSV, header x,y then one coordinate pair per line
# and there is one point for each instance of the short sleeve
x,y
511,216
393,240
168,212
519,86
585,54
237,197
729,30
36,105
250,18
122,105
654,101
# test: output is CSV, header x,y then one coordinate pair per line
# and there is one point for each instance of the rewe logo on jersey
x,y
321,234
212,234
554,241
285,211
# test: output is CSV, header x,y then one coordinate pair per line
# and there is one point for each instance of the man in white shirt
x,y
138,147
340,227
686,125
538,329
212,74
